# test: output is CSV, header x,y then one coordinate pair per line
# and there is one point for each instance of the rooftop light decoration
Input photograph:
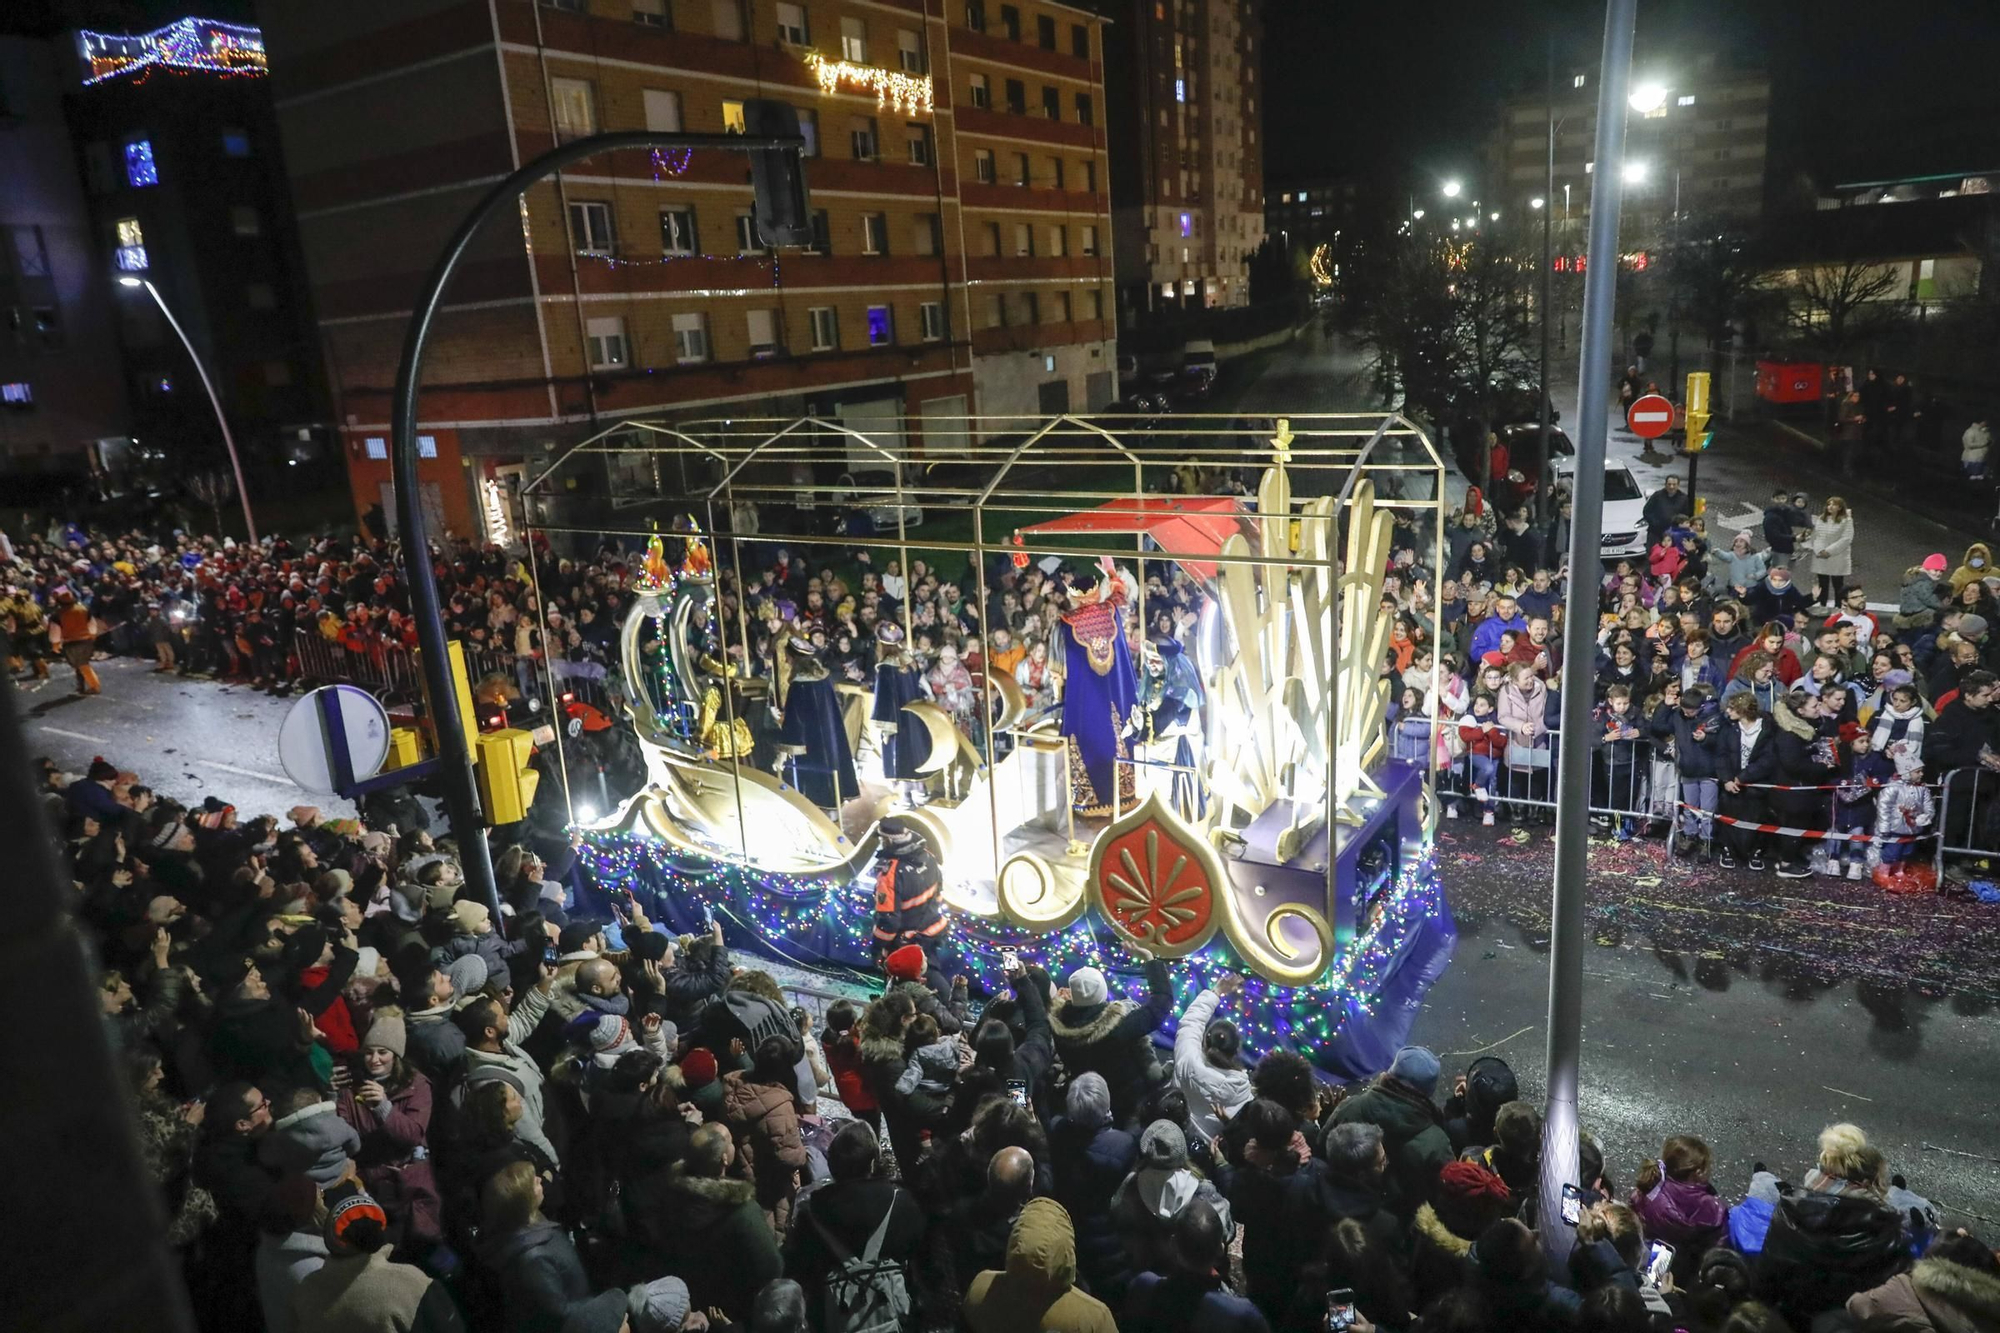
x,y
907,93
189,45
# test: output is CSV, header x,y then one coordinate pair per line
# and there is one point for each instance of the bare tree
x,y
1830,307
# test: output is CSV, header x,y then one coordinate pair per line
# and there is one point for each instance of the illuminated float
x,y
1224,799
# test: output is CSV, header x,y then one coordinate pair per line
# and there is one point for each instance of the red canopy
x,y
1186,527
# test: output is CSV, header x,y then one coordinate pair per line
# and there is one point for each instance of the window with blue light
x,y
427,446
1187,225
1180,90
235,143
140,170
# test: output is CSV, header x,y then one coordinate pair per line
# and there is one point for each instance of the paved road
x,y
186,738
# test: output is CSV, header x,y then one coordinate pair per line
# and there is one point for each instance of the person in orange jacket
x,y
73,624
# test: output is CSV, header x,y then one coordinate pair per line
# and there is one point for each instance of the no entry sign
x,y
1650,416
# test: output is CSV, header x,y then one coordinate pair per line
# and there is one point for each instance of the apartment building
x,y
1696,142
1187,181
961,260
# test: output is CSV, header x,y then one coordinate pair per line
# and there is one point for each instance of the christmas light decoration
x,y
907,93
1322,271
189,45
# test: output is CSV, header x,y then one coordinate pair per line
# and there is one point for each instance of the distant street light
x,y
1451,189
1495,216
1454,224
1418,215
228,440
1648,98
1635,172
1537,202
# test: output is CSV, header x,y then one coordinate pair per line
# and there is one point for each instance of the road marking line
x,y
246,772
73,735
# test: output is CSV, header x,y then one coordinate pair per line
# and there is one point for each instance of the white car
x,y
1624,523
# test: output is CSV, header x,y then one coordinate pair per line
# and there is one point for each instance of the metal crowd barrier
x,y
1961,808
391,669
1524,777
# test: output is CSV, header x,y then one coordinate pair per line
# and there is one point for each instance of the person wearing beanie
x,y
1208,1059
659,1306
1149,1203
91,794
1489,1084
1469,1199
360,1289
909,891
1092,1154
468,974
1114,1038
702,1080
388,1103
1413,1134
606,1312
473,934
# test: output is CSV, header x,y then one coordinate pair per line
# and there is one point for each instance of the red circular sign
x,y
1650,416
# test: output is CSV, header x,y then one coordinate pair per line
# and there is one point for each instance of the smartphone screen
x,y
1340,1309
1572,1204
1018,1090
550,956
1659,1258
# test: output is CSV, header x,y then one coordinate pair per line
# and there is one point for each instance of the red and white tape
x,y
1781,831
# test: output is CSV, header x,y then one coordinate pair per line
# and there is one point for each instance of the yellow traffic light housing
x,y
506,781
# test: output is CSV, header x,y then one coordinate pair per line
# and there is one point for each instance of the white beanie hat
x,y
1086,986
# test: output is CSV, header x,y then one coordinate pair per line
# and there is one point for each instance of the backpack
x,y
864,1293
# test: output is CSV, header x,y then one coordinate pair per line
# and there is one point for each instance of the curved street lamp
x,y
228,440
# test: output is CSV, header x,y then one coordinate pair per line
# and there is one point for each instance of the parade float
x,y
1221,796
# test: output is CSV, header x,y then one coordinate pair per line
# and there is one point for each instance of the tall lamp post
x,y
228,440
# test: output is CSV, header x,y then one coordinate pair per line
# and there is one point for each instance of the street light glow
x,y
1537,202
1454,224
1635,172
1419,214
128,282
1451,189
1648,98
1495,216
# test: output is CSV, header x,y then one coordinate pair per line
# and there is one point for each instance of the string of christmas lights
x,y
907,93
827,925
189,45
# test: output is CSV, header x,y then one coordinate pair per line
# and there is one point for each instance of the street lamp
x,y
1451,189
1537,202
1418,214
228,440
1494,216
1648,98
1635,172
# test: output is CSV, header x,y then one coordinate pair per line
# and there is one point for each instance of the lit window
x,y
690,337
131,246
17,394
881,326
1187,224
236,143
1577,82
1685,99
1088,244
574,112
732,118
140,170
1180,90
376,447
427,446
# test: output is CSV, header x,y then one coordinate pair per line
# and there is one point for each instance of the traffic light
x,y
1697,434
507,782
778,175
461,685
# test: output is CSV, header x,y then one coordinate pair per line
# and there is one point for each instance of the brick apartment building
x,y
1187,176
956,164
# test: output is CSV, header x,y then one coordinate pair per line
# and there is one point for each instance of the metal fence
x,y
1629,781
1968,814
390,670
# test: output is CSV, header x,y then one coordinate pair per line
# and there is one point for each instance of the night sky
x,y
1861,89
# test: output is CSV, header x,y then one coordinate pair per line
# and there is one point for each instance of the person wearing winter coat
x,y
1922,597
1092,1157
1977,565
1805,738
1187,1291
389,1105
1037,1291
1470,1198
541,1277
1208,1063
1149,1203
1273,1155
1746,761
1734,572
1954,1288
1488,1085
836,1220
1617,738
1413,1134
310,1138
1485,742
1510,1274
1777,598
1347,1182
1114,1038
1676,1204
1973,447
1691,727
694,1221
360,1289
1833,550
292,1244
761,1109
491,1053
1822,1249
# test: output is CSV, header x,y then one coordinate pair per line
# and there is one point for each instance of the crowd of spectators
x,y
367,1104
1749,680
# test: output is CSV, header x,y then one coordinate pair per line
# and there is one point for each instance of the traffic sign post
x,y
1650,416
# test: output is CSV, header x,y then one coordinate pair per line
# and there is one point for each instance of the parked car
x,y
1624,521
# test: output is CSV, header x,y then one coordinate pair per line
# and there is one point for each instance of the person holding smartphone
x,y
388,1103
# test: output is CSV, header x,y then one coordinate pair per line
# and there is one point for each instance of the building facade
x,y
181,164
63,401
1187,176
956,167
1696,145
